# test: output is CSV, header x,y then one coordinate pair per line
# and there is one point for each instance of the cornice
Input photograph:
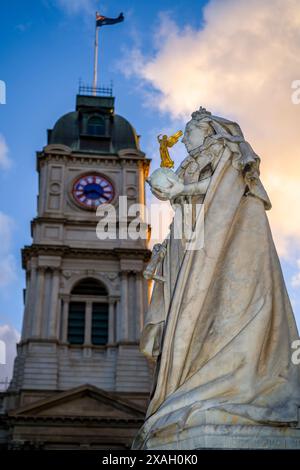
x,y
74,419
80,222
83,253
113,160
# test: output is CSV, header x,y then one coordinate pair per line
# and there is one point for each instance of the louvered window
x,y
99,323
85,308
76,322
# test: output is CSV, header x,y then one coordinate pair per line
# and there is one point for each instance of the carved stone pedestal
x,y
229,437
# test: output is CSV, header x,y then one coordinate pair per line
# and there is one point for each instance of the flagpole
x,y
95,61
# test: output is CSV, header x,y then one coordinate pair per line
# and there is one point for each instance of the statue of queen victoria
x,y
220,324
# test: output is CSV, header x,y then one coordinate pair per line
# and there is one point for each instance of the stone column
x,y
43,188
88,324
118,320
124,306
111,320
147,290
54,312
30,302
26,318
140,305
65,318
38,298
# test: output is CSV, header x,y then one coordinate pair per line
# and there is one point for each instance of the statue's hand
x,y
162,195
176,188
165,184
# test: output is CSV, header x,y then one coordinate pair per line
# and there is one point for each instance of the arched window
x,y
96,125
88,313
89,286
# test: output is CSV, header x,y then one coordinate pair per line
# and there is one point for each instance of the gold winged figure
x,y
164,143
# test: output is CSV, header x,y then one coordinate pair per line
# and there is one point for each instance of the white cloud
x,y
78,6
6,228
7,260
241,65
5,161
22,27
296,278
8,270
9,336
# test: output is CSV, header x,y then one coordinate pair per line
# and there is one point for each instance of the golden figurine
x,y
164,143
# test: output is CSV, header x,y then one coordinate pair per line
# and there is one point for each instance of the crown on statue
x,y
200,114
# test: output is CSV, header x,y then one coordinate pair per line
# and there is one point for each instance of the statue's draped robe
x,y
221,326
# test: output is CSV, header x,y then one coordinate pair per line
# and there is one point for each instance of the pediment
x,y
84,401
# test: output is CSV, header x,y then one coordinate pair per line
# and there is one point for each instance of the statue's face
x,y
194,135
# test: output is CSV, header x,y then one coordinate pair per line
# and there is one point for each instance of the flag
x,y
103,20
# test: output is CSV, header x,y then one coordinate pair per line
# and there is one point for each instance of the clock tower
x,y
85,298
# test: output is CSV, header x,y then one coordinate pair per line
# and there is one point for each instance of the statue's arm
x,y
191,189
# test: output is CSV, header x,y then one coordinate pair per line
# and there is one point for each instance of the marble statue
x,y
220,324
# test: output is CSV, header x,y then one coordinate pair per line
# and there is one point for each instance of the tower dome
x,y
94,127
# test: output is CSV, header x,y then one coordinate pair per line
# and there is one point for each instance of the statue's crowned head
x,y
197,129
200,114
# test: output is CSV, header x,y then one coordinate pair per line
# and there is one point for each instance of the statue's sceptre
x,y
158,254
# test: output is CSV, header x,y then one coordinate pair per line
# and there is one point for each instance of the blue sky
x,y
46,47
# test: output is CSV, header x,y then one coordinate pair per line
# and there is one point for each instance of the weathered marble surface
x,y
228,437
221,325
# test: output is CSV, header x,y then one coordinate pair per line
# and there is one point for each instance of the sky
x,y
237,58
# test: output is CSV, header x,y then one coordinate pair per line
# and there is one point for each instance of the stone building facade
x,y
79,379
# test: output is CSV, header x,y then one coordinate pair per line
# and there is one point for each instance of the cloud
x,y
78,6
8,270
5,161
241,64
9,336
6,228
7,259
296,278
23,27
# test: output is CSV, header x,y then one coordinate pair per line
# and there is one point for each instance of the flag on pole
x,y
104,20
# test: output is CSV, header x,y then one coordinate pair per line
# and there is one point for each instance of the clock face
x,y
92,190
